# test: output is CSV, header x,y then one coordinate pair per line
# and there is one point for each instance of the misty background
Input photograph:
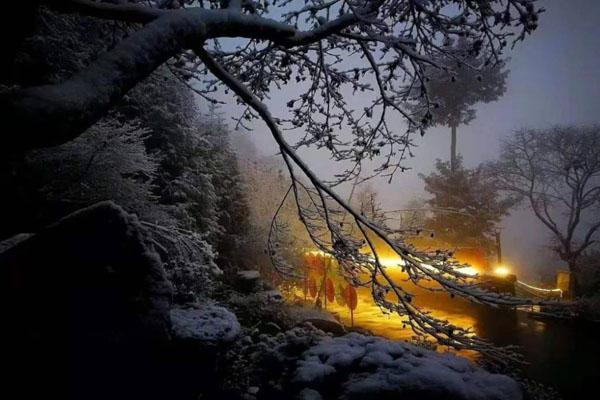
x,y
554,79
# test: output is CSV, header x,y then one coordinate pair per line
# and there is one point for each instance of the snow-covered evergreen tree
x,y
107,162
466,205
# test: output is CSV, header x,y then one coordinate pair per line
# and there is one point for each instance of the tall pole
x,y
453,149
498,247
324,286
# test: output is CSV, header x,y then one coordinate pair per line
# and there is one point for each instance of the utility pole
x,y
498,247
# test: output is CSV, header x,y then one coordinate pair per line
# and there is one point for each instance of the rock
x,y
319,319
209,325
248,281
86,308
272,296
270,328
363,367
201,333
329,325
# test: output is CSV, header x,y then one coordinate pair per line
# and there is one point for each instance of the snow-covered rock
x,y
322,320
309,394
371,367
210,324
248,281
86,301
272,296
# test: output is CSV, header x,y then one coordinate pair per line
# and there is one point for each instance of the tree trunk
x,y
574,286
453,149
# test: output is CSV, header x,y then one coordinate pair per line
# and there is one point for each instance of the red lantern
x,y
312,287
351,297
311,261
329,290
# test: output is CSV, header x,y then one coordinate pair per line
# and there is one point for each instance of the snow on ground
x,y
210,323
372,367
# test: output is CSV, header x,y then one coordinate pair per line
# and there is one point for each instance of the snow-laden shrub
x,y
266,361
189,261
107,162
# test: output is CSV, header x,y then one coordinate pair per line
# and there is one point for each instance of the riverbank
x,y
546,344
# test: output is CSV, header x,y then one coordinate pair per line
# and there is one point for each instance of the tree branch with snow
x,y
328,50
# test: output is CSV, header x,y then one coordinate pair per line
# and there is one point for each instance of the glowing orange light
x,y
501,270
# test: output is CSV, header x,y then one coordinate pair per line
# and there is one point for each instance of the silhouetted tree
x,y
459,86
557,172
466,205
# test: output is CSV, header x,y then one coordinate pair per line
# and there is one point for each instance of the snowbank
x,y
370,367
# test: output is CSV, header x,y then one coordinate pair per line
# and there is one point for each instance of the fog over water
x,y
554,79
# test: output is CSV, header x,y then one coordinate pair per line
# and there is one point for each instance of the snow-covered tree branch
x,y
332,50
313,36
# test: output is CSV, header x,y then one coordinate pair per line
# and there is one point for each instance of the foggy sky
x,y
554,79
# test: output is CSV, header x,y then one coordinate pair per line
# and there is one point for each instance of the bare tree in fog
x,y
557,172
331,50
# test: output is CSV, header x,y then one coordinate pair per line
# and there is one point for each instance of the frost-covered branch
x,y
330,52
308,41
322,218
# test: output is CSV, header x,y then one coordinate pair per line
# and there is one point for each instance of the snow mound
x,y
211,324
249,275
371,367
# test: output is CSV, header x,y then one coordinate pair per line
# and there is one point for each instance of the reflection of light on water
x,y
539,326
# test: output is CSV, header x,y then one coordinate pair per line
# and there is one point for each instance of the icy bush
x,y
188,259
